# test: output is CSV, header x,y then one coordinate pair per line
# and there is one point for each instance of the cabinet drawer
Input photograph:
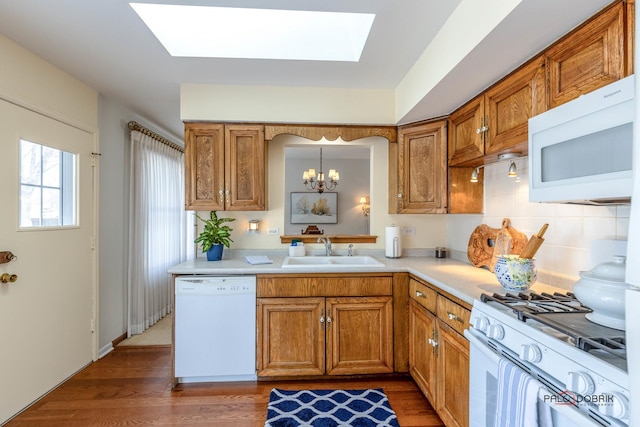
x,y
293,285
423,295
453,314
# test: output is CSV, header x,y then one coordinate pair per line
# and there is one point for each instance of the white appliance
x,y
632,277
215,328
580,152
581,365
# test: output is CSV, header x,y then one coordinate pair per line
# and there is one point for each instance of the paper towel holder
x,y
395,250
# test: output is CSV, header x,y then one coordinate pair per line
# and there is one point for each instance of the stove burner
x,y
563,313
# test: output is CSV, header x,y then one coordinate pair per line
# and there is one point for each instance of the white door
x,y
47,315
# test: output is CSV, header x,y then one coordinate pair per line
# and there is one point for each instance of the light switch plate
x,y
409,231
272,231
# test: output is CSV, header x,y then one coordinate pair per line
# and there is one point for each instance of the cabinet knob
x,y
420,295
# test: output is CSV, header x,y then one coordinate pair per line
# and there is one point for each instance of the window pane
x,y
50,207
30,206
47,186
30,163
50,167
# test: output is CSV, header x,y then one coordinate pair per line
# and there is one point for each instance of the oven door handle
x,y
482,346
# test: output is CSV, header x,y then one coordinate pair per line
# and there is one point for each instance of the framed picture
x,y
314,208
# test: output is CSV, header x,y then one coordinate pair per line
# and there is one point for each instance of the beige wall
x,y
31,82
286,104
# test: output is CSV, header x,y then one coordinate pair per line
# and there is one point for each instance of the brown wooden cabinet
x,y
422,354
309,326
496,122
224,167
419,170
509,105
439,353
590,57
466,132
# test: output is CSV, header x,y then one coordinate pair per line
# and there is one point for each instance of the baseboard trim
x,y
105,350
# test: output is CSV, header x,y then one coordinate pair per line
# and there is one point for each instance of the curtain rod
x,y
137,126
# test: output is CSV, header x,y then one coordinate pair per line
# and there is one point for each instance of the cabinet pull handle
x,y
420,295
454,317
220,195
328,319
227,193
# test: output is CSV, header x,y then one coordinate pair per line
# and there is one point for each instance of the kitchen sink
x,y
328,262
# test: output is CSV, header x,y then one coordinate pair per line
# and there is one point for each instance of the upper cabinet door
x,y
422,168
510,104
467,129
589,58
244,168
224,167
204,166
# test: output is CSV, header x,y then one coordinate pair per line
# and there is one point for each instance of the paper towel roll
x,y
393,242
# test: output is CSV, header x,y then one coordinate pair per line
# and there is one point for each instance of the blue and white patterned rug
x,y
330,408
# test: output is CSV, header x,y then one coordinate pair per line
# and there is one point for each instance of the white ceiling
x,y
104,44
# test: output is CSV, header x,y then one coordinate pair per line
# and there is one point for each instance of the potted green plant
x,y
215,236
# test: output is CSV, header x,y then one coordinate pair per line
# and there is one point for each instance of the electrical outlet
x,y
409,231
272,231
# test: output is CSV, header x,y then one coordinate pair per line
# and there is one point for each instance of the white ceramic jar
x,y
602,290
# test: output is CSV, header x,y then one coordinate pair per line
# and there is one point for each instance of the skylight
x,y
225,32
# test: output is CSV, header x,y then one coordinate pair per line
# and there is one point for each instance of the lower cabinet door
x,y
359,335
290,336
422,351
453,377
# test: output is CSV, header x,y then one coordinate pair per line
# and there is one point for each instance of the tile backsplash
x,y
573,229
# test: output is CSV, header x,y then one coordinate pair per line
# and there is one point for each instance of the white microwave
x,y
581,151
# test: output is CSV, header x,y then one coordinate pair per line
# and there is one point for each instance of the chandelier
x,y
320,185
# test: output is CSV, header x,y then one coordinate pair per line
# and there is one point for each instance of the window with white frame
x,y
47,186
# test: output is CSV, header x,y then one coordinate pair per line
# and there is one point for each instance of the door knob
x,y
6,256
6,278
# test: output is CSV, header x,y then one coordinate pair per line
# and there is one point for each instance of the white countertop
x,y
457,278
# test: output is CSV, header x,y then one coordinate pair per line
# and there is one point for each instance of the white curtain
x,y
160,231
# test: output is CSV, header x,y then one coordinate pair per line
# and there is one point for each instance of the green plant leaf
x,y
214,232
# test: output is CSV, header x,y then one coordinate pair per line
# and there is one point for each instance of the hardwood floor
x,y
131,386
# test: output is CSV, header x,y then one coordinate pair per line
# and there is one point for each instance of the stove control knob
x,y
614,405
495,332
530,353
481,323
580,383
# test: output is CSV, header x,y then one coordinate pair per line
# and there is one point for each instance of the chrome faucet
x,y
350,249
327,245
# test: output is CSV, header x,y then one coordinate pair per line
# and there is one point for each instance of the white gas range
x,y
581,365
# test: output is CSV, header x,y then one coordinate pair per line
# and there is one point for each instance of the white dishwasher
x,y
215,328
